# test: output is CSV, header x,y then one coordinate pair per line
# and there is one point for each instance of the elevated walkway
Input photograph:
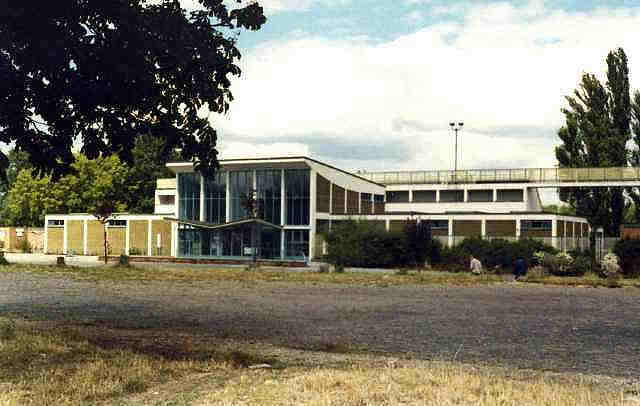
x,y
529,177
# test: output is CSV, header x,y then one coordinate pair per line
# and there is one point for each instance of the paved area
x,y
594,331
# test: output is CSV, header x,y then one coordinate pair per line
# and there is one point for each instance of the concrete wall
x,y
138,237
55,240
323,194
95,237
75,236
467,228
337,199
500,228
117,238
164,229
353,203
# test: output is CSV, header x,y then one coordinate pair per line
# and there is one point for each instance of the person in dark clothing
x,y
519,268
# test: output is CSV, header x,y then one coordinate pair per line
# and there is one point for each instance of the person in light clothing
x,y
476,266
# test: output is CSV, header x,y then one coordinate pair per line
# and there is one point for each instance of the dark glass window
x,y
55,223
215,199
297,185
439,224
241,185
378,198
117,223
536,225
269,185
296,243
189,195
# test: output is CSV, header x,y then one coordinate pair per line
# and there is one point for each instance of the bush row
x,y
628,252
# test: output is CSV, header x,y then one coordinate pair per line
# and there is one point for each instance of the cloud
x,y
503,70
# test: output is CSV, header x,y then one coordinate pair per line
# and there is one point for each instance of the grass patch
x,y
78,365
438,384
406,277
70,365
120,273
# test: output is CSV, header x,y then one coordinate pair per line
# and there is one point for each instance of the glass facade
x,y
297,189
215,199
189,192
232,242
241,184
236,241
269,186
296,243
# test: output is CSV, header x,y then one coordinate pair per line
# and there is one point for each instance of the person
x,y
519,268
476,266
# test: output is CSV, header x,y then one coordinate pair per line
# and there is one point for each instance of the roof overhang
x,y
211,226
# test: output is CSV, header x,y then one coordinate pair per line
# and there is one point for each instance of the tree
x,y
105,72
149,164
96,187
634,157
595,135
17,161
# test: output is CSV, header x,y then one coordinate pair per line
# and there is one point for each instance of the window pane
x,y
189,192
297,185
215,199
241,184
296,243
269,183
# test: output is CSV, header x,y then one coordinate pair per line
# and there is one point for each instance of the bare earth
x,y
584,330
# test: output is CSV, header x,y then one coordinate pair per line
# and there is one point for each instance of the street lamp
x,y
456,127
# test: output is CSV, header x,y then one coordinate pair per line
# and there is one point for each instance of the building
x,y
298,198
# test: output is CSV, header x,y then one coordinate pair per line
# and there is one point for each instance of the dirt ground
x,y
560,329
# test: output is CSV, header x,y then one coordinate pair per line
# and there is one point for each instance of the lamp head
x,y
460,124
452,124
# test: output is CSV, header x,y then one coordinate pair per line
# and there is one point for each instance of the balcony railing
x,y
521,175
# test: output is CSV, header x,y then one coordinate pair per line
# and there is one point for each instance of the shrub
x,y
562,265
628,252
124,260
609,266
582,265
7,329
366,245
324,268
24,246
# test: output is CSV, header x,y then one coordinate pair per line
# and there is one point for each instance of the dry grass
x,y
118,273
440,384
70,365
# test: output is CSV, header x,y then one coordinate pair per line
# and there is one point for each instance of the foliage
x,y
97,186
149,163
559,209
7,329
582,265
628,251
561,265
25,246
417,234
595,135
609,265
104,73
494,254
634,157
361,244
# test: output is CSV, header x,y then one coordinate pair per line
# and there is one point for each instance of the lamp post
x,y
456,127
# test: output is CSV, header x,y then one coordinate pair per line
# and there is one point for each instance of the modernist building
x,y
298,198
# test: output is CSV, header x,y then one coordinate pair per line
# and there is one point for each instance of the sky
x,y
373,85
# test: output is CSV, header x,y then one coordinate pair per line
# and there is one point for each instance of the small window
x,y
365,197
55,223
439,224
117,223
536,225
378,198
167,199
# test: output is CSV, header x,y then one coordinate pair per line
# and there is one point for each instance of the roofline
x,y
286,159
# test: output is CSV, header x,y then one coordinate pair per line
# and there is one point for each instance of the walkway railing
x,y
522,175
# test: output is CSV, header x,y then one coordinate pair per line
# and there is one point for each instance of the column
x,y
410,195
46,235
312,213
283,212
177,201
450,231
465,196
554,232
201,197
483,228
495,195
65,231
438,195
149,239
518,225
126,237
85,237
386,224
227,198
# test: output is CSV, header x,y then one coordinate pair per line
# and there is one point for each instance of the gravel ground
x,y
584,330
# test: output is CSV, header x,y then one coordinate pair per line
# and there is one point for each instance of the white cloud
x,y
504,70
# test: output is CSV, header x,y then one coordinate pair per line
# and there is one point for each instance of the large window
x,y
189,192
269,184
536,225
215,199
241,184
296,243
297,185
234,242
